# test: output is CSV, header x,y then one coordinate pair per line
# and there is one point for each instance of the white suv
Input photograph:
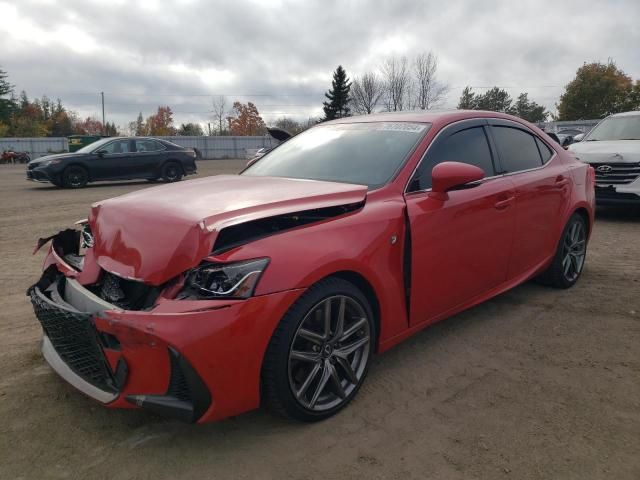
x,y
613,149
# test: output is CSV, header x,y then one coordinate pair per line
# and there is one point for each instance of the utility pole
x,y
102,97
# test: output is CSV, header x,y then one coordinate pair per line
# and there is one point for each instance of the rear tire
x,y
568,262
75,176
323,362
172,172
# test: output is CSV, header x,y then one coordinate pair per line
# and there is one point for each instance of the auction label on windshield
x,y
401,127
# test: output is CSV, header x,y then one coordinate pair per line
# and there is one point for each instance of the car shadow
x,y
50,187
625,213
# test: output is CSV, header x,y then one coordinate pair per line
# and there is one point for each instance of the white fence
x,y
223,147
36,147
210,147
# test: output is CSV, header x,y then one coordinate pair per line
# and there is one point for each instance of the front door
x,y
460,247
113,161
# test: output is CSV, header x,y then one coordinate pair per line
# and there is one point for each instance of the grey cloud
x,y
288,52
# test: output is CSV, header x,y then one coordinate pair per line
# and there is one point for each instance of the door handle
x,y
502,204
561,181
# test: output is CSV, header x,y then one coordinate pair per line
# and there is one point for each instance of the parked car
x,y
206,299
115,158
612,148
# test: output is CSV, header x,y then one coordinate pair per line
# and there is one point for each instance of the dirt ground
x,y
537,383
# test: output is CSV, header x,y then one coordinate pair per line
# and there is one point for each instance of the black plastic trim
x,y
190,407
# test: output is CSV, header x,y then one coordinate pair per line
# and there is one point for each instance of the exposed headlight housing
x,y
225,280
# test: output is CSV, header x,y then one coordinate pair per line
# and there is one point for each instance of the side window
x,y
518,149
545,151
466,146
117,146
148,146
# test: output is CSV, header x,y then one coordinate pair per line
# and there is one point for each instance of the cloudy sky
x,y
280,54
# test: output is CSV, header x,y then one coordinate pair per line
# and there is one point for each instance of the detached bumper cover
x,y
78,352
194,360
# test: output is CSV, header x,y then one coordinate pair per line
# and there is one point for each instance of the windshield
x,y
93,146
616,128
363,153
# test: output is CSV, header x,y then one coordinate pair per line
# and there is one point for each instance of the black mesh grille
x,y
74,338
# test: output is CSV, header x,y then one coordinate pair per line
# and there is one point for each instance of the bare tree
x,y
220,112
429,92
366,92
397,83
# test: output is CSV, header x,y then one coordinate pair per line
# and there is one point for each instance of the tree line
x,y
400,83
598,89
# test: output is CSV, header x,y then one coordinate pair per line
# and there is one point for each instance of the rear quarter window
x,y
545,151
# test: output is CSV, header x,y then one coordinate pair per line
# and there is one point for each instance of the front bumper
x,y
610,195
196,361
38,175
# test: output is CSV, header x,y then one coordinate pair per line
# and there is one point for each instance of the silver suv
x,y
613,149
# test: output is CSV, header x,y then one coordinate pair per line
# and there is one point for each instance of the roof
x,y
425,116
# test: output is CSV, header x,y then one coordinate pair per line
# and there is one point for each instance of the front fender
x,y
368,242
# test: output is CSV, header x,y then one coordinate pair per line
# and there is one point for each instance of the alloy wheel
x,y
76,177
329,353
574,250
172,173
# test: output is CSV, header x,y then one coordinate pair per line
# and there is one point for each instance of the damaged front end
x,y
80,308
163,311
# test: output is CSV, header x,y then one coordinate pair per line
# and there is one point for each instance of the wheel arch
x,y
172,160
368,291
584,213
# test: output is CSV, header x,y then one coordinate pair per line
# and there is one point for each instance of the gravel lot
x,y
537,383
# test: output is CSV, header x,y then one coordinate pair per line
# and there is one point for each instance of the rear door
x,y
150,154
114,161
543,188
460,247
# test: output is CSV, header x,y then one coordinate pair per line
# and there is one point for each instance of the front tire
x,y
319,354
75,176
568,262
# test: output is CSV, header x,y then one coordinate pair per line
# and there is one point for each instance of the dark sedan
x,y
115,159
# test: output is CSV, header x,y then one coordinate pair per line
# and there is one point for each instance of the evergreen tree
x,y
338,96
140,128
467,100
529,110
495,100
6,104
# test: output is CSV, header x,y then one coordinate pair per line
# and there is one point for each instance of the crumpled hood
x,y
620,151
154,234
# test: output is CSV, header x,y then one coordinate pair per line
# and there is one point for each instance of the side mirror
x,y
101,152
449,175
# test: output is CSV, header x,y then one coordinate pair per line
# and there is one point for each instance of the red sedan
x,y
205,299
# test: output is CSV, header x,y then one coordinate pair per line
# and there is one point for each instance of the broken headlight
x,y
226,280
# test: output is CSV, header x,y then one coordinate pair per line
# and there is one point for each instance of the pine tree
x,y
338,96
6,104
467,100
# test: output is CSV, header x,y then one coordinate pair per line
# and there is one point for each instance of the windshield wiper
x,y
629,139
